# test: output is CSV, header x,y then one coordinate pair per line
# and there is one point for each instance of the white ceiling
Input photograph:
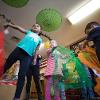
x,y
26,17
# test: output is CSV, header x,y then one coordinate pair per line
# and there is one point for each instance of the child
x,y
23,52
88,57
34,71
93,34
53,74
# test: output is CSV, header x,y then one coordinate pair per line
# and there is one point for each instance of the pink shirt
x,y
51,69
50,66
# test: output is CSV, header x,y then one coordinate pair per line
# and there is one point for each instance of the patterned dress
x,y
52,73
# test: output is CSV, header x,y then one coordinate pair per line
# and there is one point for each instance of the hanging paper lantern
x,y
16,3
49,19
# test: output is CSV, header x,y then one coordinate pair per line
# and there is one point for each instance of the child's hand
x,y
34,62
43,33
6,25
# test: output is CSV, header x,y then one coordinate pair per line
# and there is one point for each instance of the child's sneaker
x,y
15,77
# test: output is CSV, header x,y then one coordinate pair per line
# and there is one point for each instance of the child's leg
x,y
84,91
36,74
11,59
62,90
29,78
56,89
25,61
28,84
48,87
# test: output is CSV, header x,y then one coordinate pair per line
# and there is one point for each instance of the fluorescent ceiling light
x,y
84,11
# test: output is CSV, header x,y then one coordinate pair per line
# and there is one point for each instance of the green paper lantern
x,y
16,3
49,19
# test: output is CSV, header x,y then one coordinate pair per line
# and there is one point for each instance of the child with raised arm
x,y
24,52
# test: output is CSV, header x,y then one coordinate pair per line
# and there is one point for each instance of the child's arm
x,y
90,50
15,27
45,35
35,55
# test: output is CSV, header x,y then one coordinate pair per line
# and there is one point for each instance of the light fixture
x,y
84,11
